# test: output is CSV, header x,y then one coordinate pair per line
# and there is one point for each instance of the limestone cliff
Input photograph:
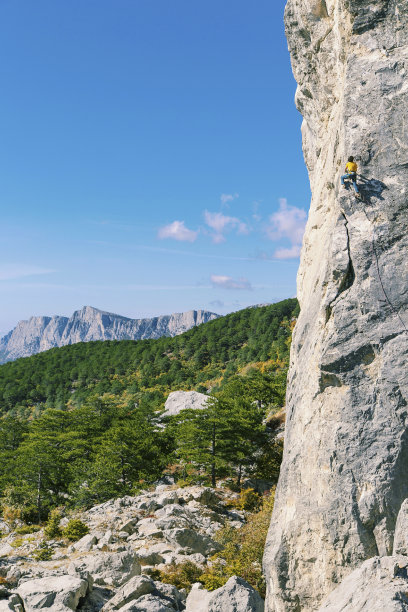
x,y
343,477
42,333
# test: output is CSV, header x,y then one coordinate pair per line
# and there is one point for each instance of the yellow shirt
x,y
351,167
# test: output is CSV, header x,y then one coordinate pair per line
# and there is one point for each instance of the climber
x,y
351,170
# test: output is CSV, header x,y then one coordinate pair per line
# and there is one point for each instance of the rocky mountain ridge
x,y
343,479
42,333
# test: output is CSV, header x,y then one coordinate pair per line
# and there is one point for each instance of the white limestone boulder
x,y
129,592
235,596
108,568
56,593
181,400
191,541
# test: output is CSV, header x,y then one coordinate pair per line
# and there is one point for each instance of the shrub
x,y
43,553
52,528
182,575
75,530
17,542
242,551
11,515
25,529
249,500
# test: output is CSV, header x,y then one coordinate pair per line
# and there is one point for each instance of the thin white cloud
x,y
227,282
177,231
288,253
221,223
228,197
15,271
289,222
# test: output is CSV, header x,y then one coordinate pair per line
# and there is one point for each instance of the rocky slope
x,y
42,333
114,566
343,478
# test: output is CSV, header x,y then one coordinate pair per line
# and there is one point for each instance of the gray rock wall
x,y
343,477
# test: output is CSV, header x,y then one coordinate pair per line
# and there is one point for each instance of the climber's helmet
x,y
351,158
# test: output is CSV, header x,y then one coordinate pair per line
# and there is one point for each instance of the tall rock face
x,y
344,473
42,333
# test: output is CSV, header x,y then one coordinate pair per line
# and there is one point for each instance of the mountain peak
x,y
89,323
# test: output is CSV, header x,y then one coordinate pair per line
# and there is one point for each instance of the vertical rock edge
x,y
346,443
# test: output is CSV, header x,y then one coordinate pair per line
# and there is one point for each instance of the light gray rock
x,y
148,603
167,497
401,531
12,603
56,593
235,596
379,585
191,540
343,476
85,544
154,554
42,333
198,599
5,549
181,400
129,592
108,568
129,526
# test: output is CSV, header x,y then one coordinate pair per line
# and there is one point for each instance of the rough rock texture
x,y
42,333
343,477
181,400
379,585
401,531
235,596
60,594
115,565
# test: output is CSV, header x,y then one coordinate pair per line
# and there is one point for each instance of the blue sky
x,y
151,157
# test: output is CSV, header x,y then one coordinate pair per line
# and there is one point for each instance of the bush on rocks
x,y
43,553
181,575
52,528
75,530
241,551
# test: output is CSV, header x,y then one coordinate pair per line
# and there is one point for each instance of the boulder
x,y
198,599
56,593
181,400
148,603
129,526
378,585
5,549
108,568
191,540
236,596
85,544
154,554
12,603
129,592
400,546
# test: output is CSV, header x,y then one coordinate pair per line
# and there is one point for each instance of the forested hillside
x,y
80,423
199,359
